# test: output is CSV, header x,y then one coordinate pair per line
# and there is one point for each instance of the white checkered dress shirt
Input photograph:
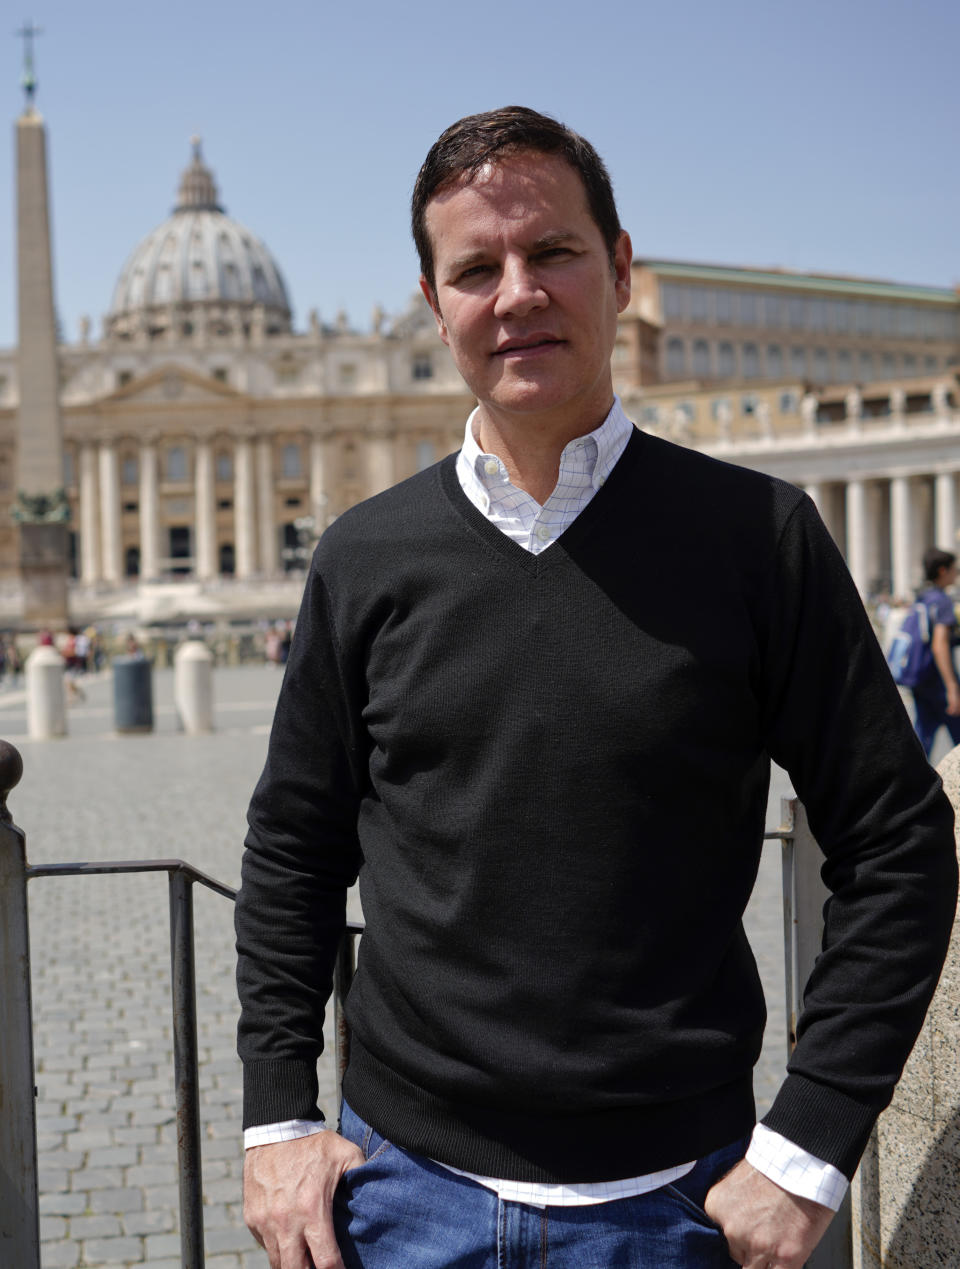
x,y
585,464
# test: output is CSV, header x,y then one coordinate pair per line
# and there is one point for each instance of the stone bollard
x,y
46,696
907,1193
193,686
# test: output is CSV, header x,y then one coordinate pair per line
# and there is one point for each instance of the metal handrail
x,y
803,896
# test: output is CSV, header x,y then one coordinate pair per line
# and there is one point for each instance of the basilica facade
x,y
206,441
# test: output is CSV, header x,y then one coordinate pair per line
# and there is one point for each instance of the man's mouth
x,y
526,344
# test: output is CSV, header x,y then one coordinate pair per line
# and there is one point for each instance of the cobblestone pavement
x,y
100,951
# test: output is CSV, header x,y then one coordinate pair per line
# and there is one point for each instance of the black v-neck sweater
x,y
551,774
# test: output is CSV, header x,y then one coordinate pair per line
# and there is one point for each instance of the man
x,y
937,697
547,755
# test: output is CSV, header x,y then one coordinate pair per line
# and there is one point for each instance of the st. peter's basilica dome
x,y
199,269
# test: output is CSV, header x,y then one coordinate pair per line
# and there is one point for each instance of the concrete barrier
x,y
907,1195
46,695
193,686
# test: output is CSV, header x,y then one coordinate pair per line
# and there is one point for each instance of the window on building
x,y
750,360
650,415
686,410
347,374
421,367
220,374
129,470
909,365
844,366
717,405
748,405
426,455
774,311
290,466
181,556
789,402
124,377
701,358
797,311
726,361
865,318
671,297
888,366
930,365
224,466
131,508
287,372
748,308
774,366
176,464
699,306
131,562
817,314
907,320
798,362
867,368
227,561
224,504
821,365
724,308
676,358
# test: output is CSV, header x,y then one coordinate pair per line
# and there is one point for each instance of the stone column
x,y
318,483
149,512
901,546
380,467
205,564
945,510
269,548
815,494
244,515
89,521
111,539
856,511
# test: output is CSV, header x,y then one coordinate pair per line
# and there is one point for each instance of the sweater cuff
x,y
823,1121
274,1091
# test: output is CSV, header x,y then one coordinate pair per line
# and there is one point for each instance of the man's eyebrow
x,y
557,238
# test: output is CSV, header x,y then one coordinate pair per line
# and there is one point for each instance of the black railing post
x,y
19,1210
804,894
185,1065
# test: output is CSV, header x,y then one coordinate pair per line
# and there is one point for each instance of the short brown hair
x,y
468,144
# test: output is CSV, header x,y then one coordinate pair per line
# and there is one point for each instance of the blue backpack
x,y
910,657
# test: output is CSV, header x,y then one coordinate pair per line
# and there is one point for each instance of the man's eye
x,y
550,253
475,271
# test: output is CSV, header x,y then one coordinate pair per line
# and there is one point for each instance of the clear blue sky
x,y
817,135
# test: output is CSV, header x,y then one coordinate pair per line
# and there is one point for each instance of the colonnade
x,y
256,526
885,523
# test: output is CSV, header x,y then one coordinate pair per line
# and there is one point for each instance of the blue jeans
x,y
401,1211
930,714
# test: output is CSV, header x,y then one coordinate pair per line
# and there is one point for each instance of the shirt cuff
x,y
288,1130
794,1169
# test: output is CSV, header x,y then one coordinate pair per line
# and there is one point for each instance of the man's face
x,y
526,297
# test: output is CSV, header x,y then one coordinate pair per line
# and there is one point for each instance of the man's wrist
x,y
796,1170
287,1130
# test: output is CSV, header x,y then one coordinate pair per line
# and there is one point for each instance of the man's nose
x,y
520,290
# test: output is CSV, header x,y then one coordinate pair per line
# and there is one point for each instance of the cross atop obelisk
x,y
28,32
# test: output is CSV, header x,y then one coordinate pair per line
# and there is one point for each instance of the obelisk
x,y
41,507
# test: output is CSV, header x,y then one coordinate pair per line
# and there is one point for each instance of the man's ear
x,y
622,269
430,295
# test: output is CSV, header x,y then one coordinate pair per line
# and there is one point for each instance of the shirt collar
x,y
603,445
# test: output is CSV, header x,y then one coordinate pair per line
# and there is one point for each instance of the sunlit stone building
x,y
208,442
